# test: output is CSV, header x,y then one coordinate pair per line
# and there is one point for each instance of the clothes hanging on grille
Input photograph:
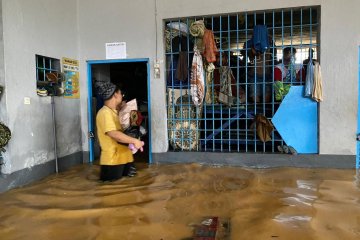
x,y
263,127
197,86
210,96
182,67
173,61
210,48
225,94
309,80
317,93
197,28
260,38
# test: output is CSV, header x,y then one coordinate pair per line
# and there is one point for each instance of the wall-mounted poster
x,y
71,75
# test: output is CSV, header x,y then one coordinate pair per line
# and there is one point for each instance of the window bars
x,y
218,126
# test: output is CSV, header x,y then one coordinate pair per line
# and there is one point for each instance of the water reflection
x,y
166,201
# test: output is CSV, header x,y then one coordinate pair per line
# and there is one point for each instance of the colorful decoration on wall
x,y
71,74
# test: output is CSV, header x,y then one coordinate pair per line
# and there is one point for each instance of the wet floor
x,y
166,201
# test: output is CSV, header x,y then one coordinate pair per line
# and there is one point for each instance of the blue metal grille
x,y
45,65
218,127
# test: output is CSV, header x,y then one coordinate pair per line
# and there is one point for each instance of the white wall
x,y
340,41
3,111
49,28
133,22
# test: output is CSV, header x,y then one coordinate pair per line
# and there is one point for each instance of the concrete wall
x,y
49,28
3,112
134,22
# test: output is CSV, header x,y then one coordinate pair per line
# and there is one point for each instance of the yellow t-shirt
x,y
112,153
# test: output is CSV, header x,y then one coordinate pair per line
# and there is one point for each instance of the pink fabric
x,y
124,113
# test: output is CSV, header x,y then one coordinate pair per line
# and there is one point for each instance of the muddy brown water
x,y
165,201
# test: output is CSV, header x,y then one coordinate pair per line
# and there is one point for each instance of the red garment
x,y
210,48
278,75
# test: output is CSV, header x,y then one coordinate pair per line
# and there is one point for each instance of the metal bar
x,y
54,132
90,117
358,118
246,83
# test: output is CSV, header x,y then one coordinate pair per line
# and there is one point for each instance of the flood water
x,y
166,201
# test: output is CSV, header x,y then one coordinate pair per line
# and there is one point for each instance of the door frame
x,y
90,95
358,119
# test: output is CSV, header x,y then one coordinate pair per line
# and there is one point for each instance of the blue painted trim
x,y
149,111
358,119
90,119
90,94
117,61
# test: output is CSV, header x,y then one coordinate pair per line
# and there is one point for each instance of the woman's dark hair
x,y
288,50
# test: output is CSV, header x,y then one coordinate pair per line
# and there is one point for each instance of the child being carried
x,y
130,120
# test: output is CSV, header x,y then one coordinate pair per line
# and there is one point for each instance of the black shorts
x,y
114,172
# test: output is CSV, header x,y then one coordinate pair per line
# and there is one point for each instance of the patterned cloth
x,y
210,95
225,95
5,135
281,89
124,113
197,82
197,28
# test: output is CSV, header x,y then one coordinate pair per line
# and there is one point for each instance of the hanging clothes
x,y
182,67
197,88
210,96
309,80
260,38
317,93
197,30
263,128
210,48
225,94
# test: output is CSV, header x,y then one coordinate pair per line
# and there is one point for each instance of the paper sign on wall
x,y
115,50
71,72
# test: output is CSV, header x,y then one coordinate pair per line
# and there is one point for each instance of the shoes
x,y
292,150
132,172
286,149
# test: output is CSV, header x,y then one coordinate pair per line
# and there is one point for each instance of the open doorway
x,y
132,76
